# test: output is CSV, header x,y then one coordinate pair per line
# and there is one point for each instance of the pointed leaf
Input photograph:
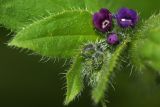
x,y
74,80
57,35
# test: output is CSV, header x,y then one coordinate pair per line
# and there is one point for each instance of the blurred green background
x,y
25,81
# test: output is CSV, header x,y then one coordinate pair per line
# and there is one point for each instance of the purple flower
x,y
127,17
112,39
102,20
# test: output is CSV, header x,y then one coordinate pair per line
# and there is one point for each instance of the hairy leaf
x,y
57,35
145,49
110,62
74,80
16,14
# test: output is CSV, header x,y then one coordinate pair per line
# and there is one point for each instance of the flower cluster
x,y
103,22
93,53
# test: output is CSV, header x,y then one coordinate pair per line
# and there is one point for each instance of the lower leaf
x,y
74,80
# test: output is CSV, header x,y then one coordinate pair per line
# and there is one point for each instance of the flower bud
x,y
112,39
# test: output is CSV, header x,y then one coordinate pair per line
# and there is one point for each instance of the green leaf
x,y
16,14
57,35
74,80
145,49
95,5
110,62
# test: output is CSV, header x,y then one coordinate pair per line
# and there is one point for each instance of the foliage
x,y
74,80
145,48
57,35
111,61
60,28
